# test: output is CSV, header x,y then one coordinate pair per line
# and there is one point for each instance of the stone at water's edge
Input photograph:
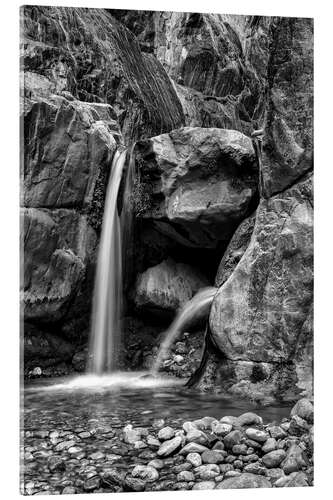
x,y
167,286
245,480
202,183
260,313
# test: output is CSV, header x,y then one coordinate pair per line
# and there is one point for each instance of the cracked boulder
x,y
202,183
58,244
167,286
262,313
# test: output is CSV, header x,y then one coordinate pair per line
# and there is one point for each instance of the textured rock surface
x,y
167,286
202,183
259,314
88,53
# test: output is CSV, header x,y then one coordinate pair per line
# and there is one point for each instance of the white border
x,y
9,259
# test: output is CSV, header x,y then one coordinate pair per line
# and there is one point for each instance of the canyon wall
x,y
189,89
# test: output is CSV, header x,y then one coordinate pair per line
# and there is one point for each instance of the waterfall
x,y
108,292
196,308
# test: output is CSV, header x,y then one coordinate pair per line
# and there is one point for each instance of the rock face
x,y
91,55
167,286
202,182
259,314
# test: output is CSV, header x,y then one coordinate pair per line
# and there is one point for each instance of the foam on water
x,y
111,382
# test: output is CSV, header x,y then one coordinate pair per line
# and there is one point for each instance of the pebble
x,y
304,409
269,445
239,449
234,437
193,448
91,484
194,459
185,476
255,468
97,455
156,463
55,463
189,426
204,485
145,472
64,445
169,447
221,429
206,472
249,418
166,433
276,432
212,457
256,435
152,441
196,436
133,484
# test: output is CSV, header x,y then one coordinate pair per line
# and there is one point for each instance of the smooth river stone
x,y
169,446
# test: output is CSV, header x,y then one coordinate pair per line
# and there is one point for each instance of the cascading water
x,y
108,292
196,308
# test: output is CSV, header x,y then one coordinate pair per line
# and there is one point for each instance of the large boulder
x,y
202,182
167,286
258,314
88,53
58,244
67,146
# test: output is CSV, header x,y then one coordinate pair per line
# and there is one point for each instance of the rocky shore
x,y
207,453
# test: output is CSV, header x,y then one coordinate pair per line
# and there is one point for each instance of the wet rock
x,y
204,212
194,459
249,418
196,436
295,459
185,476
152,441
269,445
133,484
56,463
204,485
255,468
212,457
166,433
303,409
245,480
274,458
207,472
91,484
169,447
256,435
167,286
234,437
189,426
145,472
221,429
130,434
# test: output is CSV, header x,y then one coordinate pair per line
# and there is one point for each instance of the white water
x,y
196,308
107,300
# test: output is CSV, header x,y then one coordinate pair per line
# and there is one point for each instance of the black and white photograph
x,y
166,250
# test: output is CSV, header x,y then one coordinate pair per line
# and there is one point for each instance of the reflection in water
x,y
49,405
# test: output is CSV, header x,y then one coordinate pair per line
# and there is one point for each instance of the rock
x,y
298,426
233,254
146,473
212,457
288,138
204,485
269,445
158,423
255,468
274,474
276,432
69,490
167,286
196,436
170,446
64,445
156,463
178,359
208,181
92,484
185,476
192,448
207,472
234,437
295,459
295,479
194,459
56,463
303,409
152,441
166,433
113,476
245,480
256,435
205,423
274,458
270,287
249,418
133,484
239,449
147,104
131,435
219,446
221,429
229,419
189,426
